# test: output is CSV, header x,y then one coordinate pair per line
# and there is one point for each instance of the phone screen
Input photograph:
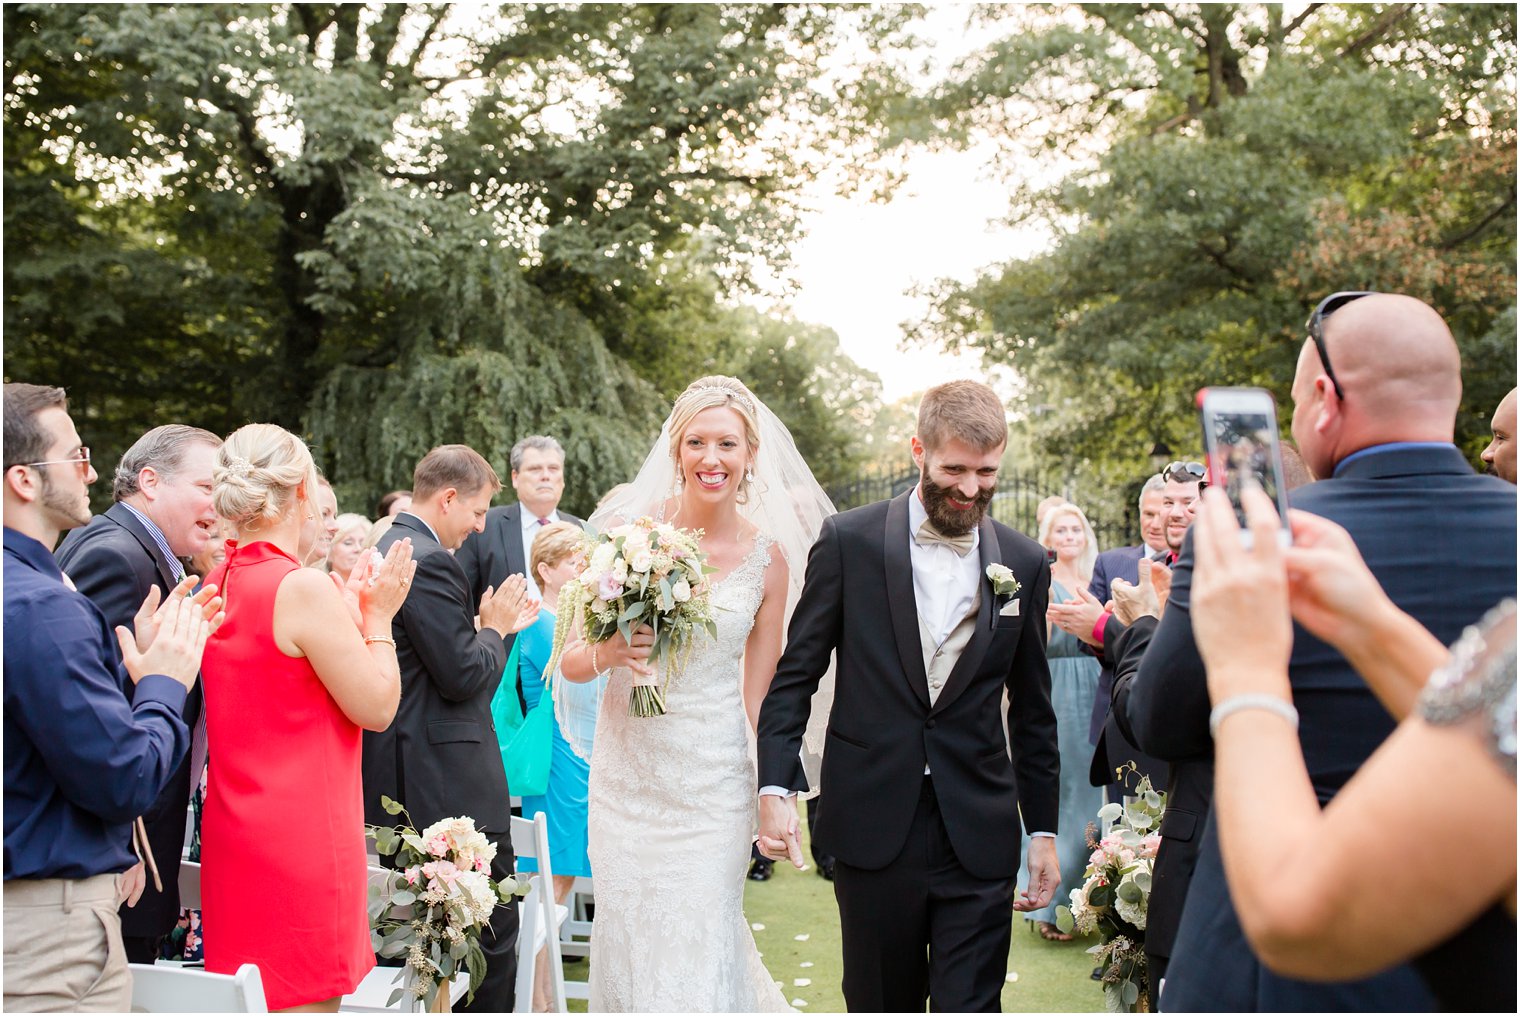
x,y
1242,444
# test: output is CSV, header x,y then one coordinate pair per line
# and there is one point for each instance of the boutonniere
x,y
1003,582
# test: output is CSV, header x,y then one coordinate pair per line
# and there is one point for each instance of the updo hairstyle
x,y
259,470
714,392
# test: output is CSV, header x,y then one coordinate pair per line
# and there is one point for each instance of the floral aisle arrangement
x,y
641,573
434,906
1114,897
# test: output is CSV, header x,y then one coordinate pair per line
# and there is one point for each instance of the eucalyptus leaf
x,y
1064,920
391,807
1129,993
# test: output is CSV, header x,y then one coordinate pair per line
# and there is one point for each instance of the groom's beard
x,y
948,520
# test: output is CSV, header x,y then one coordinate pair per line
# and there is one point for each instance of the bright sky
x,y
860,260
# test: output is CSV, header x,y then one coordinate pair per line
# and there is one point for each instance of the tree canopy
x,y
391,225
1233,169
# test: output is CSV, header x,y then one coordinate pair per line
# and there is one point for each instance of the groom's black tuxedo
x,y
858,601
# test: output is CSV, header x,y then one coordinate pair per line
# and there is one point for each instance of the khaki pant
x,y
63,948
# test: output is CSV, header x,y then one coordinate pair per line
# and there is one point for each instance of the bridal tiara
x,y
742,395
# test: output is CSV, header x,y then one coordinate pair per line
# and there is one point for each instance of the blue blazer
x,y
1120,563
1441,540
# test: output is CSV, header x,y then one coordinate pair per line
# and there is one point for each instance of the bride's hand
x,y
618,652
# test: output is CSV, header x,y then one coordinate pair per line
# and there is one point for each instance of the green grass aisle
x,y
796,926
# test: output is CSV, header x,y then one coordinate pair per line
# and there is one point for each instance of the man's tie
x,y
543,522
198,744
928,536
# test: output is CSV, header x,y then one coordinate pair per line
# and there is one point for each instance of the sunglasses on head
x,y
1186,473
1329,305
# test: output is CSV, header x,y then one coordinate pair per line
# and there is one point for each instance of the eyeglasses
x,y
80,458
1329,305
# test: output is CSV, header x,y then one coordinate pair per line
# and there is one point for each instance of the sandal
x,y
1050,933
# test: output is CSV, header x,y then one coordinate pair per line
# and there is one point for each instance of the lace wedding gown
x,y
672,813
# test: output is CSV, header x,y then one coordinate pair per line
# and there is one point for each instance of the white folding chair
x,y
167,988
540,917
375,990
190,885
575,933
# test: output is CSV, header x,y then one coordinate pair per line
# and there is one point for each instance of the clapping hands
x,y
1146,598
1076,616
169,640
375,590
508,609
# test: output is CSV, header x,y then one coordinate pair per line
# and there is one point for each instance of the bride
x,y
672,797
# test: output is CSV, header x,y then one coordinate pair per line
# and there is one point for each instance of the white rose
x,y
642,561
681,591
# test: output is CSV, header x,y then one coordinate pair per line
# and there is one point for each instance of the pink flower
x,y
438,846
1098,858
480,864
411,876
444,870
608,587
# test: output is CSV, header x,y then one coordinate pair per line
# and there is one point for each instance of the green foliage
x,y
1241,169
439,222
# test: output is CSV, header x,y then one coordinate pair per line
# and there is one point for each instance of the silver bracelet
x,y
1269,703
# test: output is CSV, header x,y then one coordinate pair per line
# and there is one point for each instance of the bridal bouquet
x,y
434,905
1115,896
640,573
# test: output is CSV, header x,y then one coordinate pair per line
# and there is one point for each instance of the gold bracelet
x,y
594,668
380,638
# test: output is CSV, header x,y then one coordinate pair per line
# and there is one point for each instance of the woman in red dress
x,y
301,666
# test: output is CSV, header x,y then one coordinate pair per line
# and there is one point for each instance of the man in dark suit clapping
x,y
1375,399
440,757
162,513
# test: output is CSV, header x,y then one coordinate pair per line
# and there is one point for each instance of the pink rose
x,y
608,587
411,876
1150,845
438,846
480,864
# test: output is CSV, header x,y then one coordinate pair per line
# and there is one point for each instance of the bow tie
x,y
928,536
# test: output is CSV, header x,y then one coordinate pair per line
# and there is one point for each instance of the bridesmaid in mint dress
x,y
1073,687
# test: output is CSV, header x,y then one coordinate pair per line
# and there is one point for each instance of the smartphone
x,y
1240,441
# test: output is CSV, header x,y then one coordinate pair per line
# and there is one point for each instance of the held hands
x,y
375,591
778,838
1044,875
1077,616
1240,598
181,628
508,609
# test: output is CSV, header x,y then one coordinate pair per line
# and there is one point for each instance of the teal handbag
x,y
526,741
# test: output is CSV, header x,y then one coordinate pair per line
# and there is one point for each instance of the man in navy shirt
x,y
80,762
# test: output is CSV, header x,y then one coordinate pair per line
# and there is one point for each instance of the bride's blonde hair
x,y
717,391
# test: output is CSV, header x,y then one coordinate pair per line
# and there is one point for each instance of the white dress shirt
x,y
944,582
530,531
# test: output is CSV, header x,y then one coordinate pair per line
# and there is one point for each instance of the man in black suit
x,y
440,757
162,513
934,611
1374,411
1111,749
502,548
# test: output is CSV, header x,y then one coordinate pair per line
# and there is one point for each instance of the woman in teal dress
x,y
1073,687
555,559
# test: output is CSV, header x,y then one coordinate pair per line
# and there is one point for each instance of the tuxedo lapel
x,y
981,638
124,518
901,603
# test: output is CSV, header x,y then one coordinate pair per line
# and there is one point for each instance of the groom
x,y
921,800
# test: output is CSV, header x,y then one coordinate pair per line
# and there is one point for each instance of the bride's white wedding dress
x,y
672,813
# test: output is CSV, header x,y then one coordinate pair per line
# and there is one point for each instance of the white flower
x,y
602,558
1134,913
1003,582
641,562
478,895
681,591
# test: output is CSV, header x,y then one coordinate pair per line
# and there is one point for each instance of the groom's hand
x,y
1044,875
778,838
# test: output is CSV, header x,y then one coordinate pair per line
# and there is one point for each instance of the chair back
x,y
190,885
539,917
158,987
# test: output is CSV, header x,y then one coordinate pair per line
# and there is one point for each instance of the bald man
x,y
1500,453
1374,417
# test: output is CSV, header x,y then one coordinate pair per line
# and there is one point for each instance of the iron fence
x,y
1019,493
